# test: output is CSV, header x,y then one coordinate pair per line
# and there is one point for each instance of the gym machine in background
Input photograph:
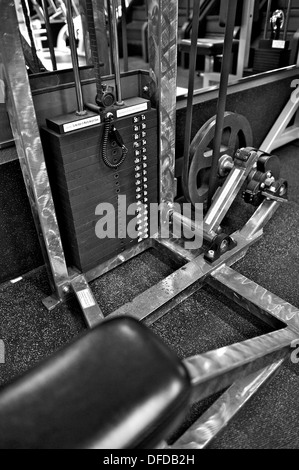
x,y
229,170
273,51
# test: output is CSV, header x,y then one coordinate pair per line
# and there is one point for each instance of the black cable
x,y
109,128
189,113
30,34
224,76
94,49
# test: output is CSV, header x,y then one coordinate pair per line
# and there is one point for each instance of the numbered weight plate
x,y
237,133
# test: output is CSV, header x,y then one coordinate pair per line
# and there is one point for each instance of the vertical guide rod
x,y
74,55
225,70
115,52
285,32
49,34
94,48
267,18
189,113
124,34
110,36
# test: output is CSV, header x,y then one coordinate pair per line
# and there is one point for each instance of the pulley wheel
x,y
237,133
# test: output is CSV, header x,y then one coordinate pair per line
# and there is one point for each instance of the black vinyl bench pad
x,y
117,386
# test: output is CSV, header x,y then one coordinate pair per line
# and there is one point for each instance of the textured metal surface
x,y
92,313
215,370
260,218
248,293
165,291
282,133
214,420
173,246
163,23
28,144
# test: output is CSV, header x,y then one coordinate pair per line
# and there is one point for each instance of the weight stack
x,y
267,57
80,181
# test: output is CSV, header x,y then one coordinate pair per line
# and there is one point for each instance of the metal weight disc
x,y
237,133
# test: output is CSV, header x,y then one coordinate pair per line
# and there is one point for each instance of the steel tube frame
x,y
162,36
216,418
30,152
26,134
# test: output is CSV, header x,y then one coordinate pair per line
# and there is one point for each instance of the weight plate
x,y
237,133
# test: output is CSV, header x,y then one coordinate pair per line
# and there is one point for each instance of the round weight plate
x,y
236,134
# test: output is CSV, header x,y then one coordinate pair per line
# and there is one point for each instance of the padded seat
x,y
208,46
118,386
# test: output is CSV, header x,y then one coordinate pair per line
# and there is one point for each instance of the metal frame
x,y
281,133
27,138
209,76
213,370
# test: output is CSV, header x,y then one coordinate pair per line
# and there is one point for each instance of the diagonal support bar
x,y
215,370
255,298
217,417
165,291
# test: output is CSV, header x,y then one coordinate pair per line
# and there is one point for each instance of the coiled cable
x,y
110,129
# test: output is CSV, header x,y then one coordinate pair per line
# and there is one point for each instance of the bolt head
x,y
224,246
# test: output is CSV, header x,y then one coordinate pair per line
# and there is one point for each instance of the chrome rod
x,y
73,47
124,34
267,18
115,51
287,20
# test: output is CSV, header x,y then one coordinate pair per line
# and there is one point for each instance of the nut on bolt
x,y
224,246
211,254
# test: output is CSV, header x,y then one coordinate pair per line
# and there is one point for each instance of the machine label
x,y
278,44
132,110
73,126
85,298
